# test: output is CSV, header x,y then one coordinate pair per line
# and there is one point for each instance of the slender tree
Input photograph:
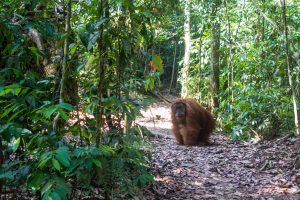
x,y
62,92
200,61
291,84
177,71
174,65
187,52
215,55
229,63
102,12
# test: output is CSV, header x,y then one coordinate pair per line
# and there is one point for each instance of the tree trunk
x,y
229,63
177,73
64,64
200,62
215,56
102,8
187,52
291,84
174,65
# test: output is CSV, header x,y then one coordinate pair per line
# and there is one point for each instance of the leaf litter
x,y
223,170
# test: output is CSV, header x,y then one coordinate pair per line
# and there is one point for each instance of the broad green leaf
x,y
63,156
91,62
32,141
73,48
45,103
15,115
36,52
25,130
62,187
93,40
100,22
50,111
84,38
36,181
8,110
63,114
66,106
15,88
44,159
97,162
106,150
17,91
4,91
80,67
5,127
56,164
46,189
31,100
15,144
89,27
54,196
43,162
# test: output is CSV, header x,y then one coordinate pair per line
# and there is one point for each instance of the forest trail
x,y
226,170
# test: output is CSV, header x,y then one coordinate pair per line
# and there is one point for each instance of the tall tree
x,y
174,65
187,52
215,55
229,63
103,12
200,61
64,74
291,84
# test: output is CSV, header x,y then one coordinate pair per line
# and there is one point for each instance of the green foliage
x,y
157,61
54,169
51,164
255,113
48,163
254,95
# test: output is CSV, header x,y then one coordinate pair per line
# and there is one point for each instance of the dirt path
x,y
224,171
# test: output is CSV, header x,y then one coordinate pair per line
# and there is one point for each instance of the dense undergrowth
x,y
71,87
53,164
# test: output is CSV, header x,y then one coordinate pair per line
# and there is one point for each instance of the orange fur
x,y
197,125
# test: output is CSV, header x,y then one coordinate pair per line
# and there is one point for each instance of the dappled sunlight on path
x,y
225,170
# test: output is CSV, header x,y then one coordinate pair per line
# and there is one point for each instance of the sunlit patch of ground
x,y
280,189
156,118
